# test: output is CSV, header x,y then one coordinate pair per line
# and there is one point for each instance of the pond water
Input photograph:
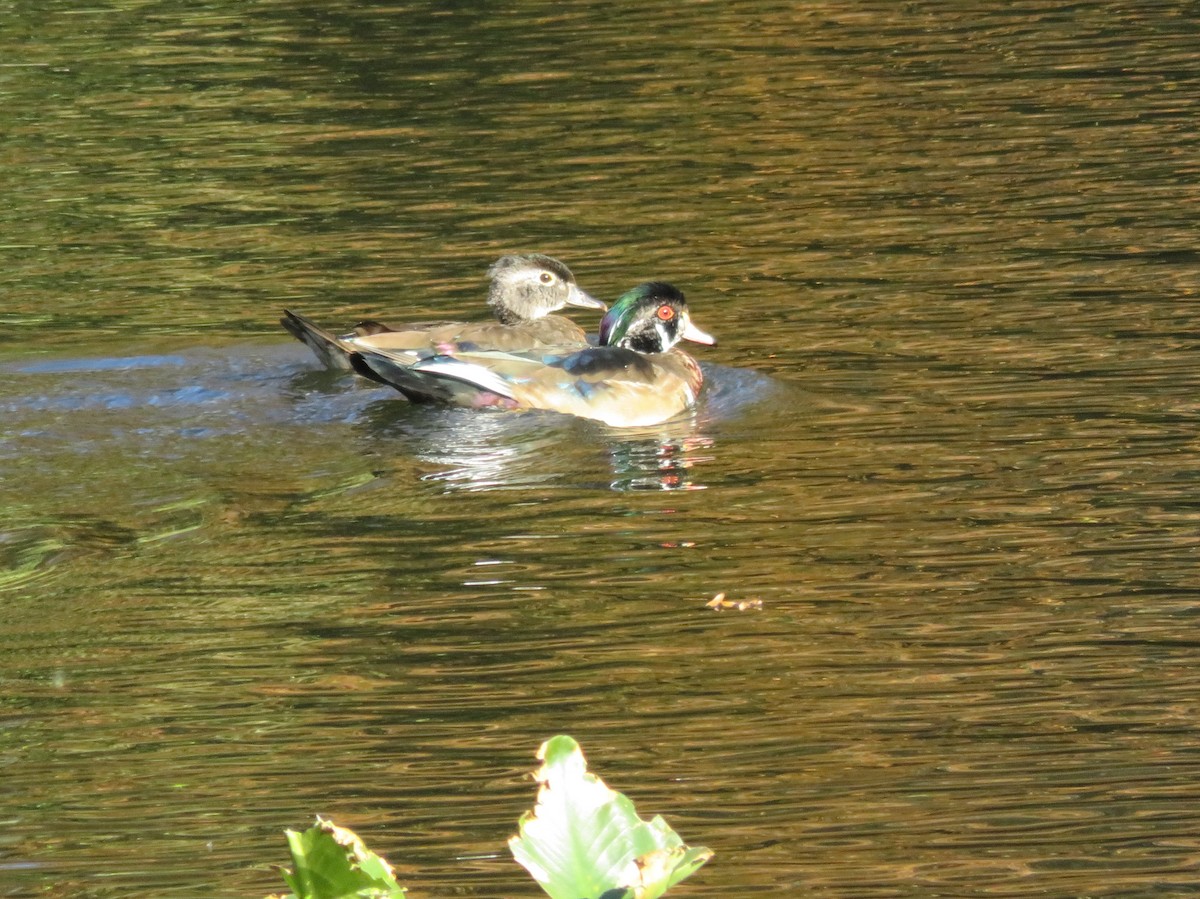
x,y
949,440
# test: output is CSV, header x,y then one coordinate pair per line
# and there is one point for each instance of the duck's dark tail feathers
x,y
358,365
329,348
385,369
335,353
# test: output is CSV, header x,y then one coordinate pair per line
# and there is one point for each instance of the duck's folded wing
x,y
619,387
421,379
370,327
455,337
473,378
411,343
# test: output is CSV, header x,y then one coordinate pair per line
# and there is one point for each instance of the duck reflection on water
x,y
660,463
470,451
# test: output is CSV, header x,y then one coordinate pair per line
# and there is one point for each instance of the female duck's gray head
x,y
531,286
650,318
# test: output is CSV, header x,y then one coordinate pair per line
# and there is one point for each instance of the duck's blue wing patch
x,y
587,389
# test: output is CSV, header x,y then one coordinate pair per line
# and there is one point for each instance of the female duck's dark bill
x,y
576,296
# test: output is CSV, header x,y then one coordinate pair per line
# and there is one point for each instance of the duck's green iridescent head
x,y
650,318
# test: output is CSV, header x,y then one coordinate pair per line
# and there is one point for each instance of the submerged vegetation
x,y
582,840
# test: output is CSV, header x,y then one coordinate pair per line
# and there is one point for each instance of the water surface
x,y
949,441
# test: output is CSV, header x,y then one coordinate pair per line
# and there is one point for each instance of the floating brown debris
x,y
720,603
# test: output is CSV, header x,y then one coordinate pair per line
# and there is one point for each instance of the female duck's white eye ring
x,y
546,277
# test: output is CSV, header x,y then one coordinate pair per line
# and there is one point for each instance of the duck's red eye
x,y
666,313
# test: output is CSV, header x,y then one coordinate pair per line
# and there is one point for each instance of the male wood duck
x,y
524,291
633,378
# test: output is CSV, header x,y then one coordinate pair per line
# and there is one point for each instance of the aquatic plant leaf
x,y
585,841
331,862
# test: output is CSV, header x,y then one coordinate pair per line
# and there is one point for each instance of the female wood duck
x,y
524,291
632,378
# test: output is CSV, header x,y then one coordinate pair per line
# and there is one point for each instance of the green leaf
x,y
331,862
585,841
